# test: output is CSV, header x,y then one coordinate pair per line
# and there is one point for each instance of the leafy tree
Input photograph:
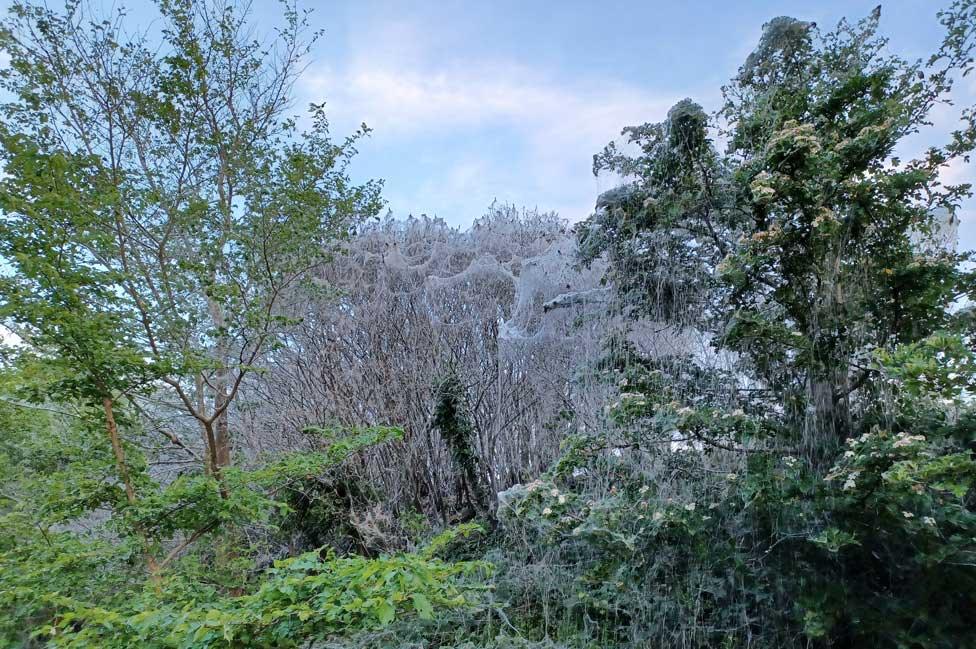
x,y
811,255
665,233
61,296
207,204
809,243
159,214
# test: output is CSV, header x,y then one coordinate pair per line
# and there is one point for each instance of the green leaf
x,y
385,612
422,605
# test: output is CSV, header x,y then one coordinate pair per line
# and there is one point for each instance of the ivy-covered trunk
x,y
452,420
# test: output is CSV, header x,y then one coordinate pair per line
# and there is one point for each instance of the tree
x,y
825,282
418,300
61,296
664,233
213,202
808,244
159,208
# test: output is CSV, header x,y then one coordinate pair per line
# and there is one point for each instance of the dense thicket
x,y
732,408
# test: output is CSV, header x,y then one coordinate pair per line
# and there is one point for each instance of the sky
x,y
472,102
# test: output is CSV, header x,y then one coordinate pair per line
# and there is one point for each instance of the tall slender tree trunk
x,y
221,429
120,463
222,439
123,469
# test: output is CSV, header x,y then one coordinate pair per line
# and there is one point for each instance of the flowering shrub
x,y
896,557
626,559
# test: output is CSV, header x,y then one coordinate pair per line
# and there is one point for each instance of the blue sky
x,y
476,101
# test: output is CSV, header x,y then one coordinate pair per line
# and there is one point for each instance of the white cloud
x,y
397,83
405,93
399,100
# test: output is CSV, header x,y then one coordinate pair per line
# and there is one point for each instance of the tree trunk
x,y
120,464
123,470
221,430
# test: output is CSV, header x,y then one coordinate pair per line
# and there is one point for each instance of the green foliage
x,y
71,548
61,293
897,561
299,599
297,465
940,366
443,541
807,245
820,493
673,215
39,564
452,420
879,552
728,510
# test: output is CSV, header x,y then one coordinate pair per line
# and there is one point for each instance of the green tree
x,y
61,298
808,244
213,205
160,211
810,253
